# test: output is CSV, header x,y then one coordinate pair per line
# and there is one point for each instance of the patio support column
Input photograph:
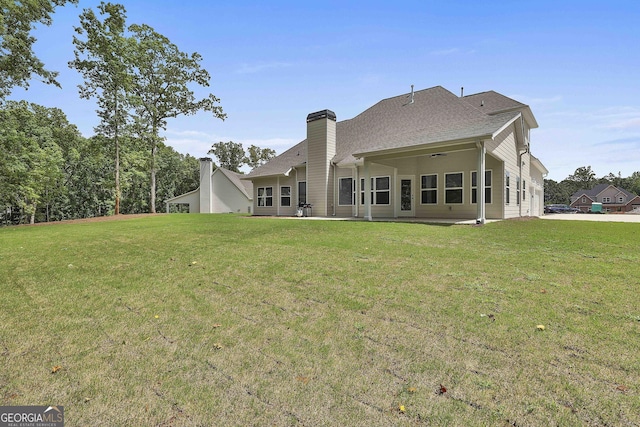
x,y
480,190
356,183
367,192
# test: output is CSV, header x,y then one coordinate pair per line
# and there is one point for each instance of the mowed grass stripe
x,y
230,320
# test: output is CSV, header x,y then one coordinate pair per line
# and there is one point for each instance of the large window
x,y
265,196
487,187
380,190
453,188
302,192
285,196
346,192
429,189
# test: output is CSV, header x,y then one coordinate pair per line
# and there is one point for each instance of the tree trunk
x,y
117,209
152,202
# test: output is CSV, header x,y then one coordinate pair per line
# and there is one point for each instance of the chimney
x,y
206,170
321,147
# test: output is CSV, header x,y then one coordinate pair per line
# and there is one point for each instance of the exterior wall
x,y
465,162
226,197
321,147
276,183
192,199
537,191
504,148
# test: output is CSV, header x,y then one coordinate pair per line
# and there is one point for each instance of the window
x,y
346,192
621,199
453,188
429,189
265,196
285,196
380,190
524,190
302,192
584,200
487,187
507,188
606,200
517,190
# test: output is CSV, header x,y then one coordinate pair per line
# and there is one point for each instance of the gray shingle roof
x,y
436,115
592,193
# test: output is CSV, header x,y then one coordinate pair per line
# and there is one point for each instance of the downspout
x,y
333,165
278,196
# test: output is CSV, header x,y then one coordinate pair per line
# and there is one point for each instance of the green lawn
x,y
201,320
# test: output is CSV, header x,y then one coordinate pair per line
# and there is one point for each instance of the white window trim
x,y
507,188
353,190
289,196
374,190
264,197
429,189
474,187
453,188
606,200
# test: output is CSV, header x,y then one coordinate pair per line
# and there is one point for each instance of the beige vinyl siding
x,y
504,148
263,183
321,142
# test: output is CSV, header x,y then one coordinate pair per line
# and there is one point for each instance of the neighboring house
x,y
613,199
220,191
422,155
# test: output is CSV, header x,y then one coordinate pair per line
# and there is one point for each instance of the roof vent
x,y
410,96
482,103
324,114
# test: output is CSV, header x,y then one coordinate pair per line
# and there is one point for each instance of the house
x,y
220,191
424,155
613,199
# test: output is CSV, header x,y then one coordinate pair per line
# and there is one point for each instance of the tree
x,y
161,91
257,156
18,62
583,177
103,61
230,155
31,161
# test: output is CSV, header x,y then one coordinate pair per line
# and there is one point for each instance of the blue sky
x,y
576,63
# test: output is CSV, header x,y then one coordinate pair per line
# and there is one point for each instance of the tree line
x,y
584,179
139,79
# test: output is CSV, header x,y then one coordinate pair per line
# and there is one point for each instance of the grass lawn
x,y
202,320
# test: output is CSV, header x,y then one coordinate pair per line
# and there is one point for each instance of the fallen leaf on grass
x,y
216,325
194,262
540,327
303,380
55,369
411,390
622,388
217,346
543,291
442,389
401,408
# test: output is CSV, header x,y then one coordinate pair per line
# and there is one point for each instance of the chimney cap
x,y
324,114
205,159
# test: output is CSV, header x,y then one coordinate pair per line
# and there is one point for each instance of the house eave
x,y
440,145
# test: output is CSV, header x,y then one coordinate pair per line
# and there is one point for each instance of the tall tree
x,y
230,155
583,177
103,60
161,89
257,156
18,62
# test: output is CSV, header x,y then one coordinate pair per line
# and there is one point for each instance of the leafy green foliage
x,y
18,62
